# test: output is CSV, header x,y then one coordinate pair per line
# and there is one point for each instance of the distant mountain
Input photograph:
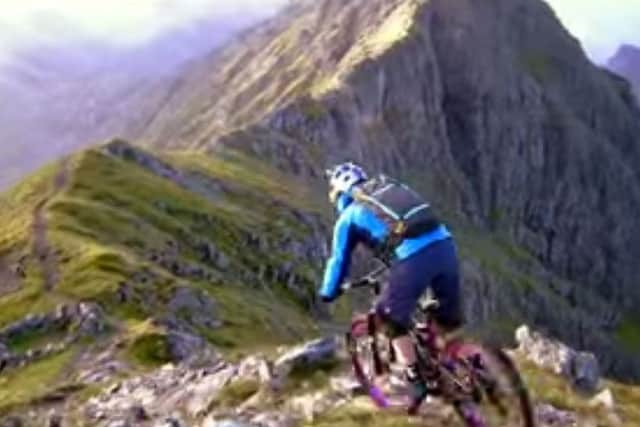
x,y
626,62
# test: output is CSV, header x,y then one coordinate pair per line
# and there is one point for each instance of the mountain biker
x,y
418,260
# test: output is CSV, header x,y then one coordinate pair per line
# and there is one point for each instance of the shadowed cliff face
x,y
626,62
493,109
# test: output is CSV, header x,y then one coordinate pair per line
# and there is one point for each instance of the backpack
x,y
406,213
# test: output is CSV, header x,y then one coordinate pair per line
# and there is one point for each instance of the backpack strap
x,y
372,199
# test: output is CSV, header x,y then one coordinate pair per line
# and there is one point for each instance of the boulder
x,y
190,349
580,368
307,355
256,367
91,320
206,391
137,413
603,399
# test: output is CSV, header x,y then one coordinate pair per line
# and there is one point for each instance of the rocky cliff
x,y
626,62
493,109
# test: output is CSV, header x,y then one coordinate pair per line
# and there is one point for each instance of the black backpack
x,y
406,213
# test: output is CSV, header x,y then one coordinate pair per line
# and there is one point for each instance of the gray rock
x,y
274,419
256,367
550,416
206,391
584,372
198,306
137,413
55,420
320,350
580,368
12,421
91,320
190,349
346,385
604,399
173,421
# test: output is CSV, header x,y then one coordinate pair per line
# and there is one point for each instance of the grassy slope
x,y
104,223
112,213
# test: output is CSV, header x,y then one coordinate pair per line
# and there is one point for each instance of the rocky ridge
x,y
262,391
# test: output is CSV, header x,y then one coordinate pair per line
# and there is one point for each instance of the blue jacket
x,y
358,224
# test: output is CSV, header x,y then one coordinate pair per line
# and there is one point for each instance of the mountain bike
x,y
480,382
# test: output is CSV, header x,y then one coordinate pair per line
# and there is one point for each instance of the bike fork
x,y
377,362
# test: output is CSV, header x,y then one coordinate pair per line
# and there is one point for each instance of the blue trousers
x,y
435,266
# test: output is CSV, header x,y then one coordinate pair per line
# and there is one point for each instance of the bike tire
x,y
500,383
363,360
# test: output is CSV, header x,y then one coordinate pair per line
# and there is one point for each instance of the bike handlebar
x,y
370,280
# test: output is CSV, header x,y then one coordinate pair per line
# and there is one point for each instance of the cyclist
x,y
401,229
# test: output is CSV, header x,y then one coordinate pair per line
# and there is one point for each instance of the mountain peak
x,y
626,62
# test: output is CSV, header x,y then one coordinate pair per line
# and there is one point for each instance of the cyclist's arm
x,y
338,265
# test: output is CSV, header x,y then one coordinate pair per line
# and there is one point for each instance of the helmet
x,y
343,177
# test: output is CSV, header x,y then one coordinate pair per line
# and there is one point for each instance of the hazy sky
x,y
119,21
601,24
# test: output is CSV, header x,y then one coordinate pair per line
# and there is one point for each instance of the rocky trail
x,y
41,247
305,385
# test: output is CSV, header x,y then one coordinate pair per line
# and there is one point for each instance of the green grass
x,y
311,377
254,319
353,416
627,398
545,386
113,212
628,334
149,350
34,339
24,385
28,299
